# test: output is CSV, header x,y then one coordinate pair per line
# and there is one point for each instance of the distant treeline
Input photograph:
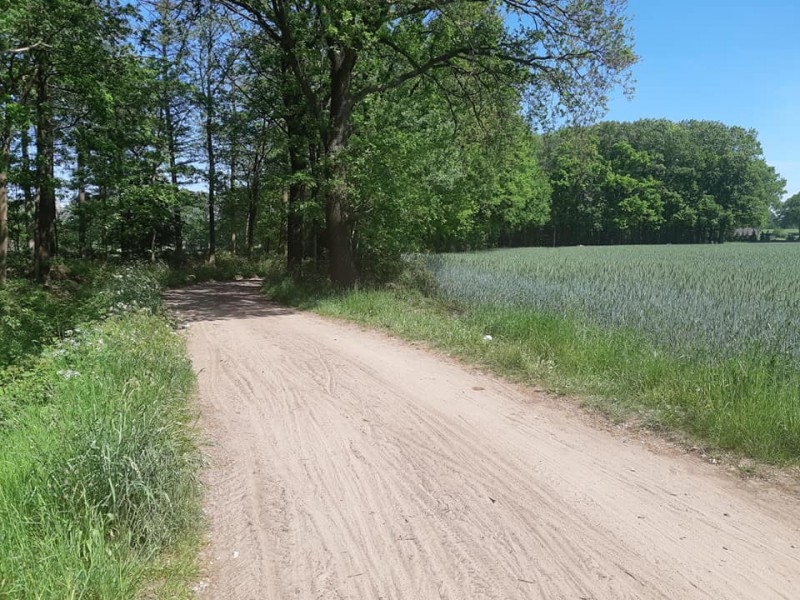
x,y
655,181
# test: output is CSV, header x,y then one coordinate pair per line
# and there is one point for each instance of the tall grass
x,y
97,457
82,291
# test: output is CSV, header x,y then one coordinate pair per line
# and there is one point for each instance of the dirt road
x,y
345,464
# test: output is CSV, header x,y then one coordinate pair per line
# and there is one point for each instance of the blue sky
x,y
737,62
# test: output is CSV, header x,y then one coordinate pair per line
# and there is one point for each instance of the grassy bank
x,y
747,403
98,490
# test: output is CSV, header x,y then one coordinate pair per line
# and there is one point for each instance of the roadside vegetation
x,y
699,341
239,138
98,460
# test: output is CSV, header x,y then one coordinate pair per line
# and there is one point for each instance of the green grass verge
x,y
750,405
99,496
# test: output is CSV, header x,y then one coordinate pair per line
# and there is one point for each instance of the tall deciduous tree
x,y
790,212
658,181
341,52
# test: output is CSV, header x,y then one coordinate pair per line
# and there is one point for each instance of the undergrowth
x,y
226,267
98,463
79,292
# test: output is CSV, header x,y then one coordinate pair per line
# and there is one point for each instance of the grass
x,y
605,347
98,461
704,302
81,291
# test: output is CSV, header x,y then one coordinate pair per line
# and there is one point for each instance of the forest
x,y
343,134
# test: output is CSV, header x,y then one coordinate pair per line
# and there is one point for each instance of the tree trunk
x,y
81,207
339,225
298,165
46,210
298,194
103,197
252,206
177,218
169,126
27,191
212,180
5,159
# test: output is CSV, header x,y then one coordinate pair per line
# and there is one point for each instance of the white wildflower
x,y
68,373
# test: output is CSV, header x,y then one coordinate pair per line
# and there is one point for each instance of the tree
x,y
790,212
15,88
67,47
166,41
657,181
340,52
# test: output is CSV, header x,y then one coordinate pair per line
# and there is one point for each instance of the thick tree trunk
x,y
5,159
45,176
339,225
342,264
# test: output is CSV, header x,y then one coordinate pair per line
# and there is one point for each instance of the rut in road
x,y
346,464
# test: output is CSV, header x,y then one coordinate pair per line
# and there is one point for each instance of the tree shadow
x,y
217,301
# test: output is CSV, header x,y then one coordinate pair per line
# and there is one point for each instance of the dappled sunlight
x,y
221,301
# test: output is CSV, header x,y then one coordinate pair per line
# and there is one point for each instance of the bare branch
x,y
24,49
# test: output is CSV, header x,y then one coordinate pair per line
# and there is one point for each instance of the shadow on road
x,y
216,301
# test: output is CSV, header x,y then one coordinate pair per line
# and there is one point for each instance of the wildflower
x,y
67,373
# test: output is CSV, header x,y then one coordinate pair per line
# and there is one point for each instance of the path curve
x,y
346,464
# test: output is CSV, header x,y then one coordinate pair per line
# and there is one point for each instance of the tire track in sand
x,y
345,464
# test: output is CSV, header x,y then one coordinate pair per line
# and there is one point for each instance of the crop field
x,y
704,302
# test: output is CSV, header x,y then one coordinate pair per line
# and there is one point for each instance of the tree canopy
x,y
658,181
344,133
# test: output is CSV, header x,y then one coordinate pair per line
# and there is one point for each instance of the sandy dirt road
x,y
345,464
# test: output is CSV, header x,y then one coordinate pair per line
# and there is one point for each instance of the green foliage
x,y
425,178
789,212
97,459
657,181
81,291
98,480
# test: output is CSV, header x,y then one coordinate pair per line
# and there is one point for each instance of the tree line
x,y
301,125
342,133
657,181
